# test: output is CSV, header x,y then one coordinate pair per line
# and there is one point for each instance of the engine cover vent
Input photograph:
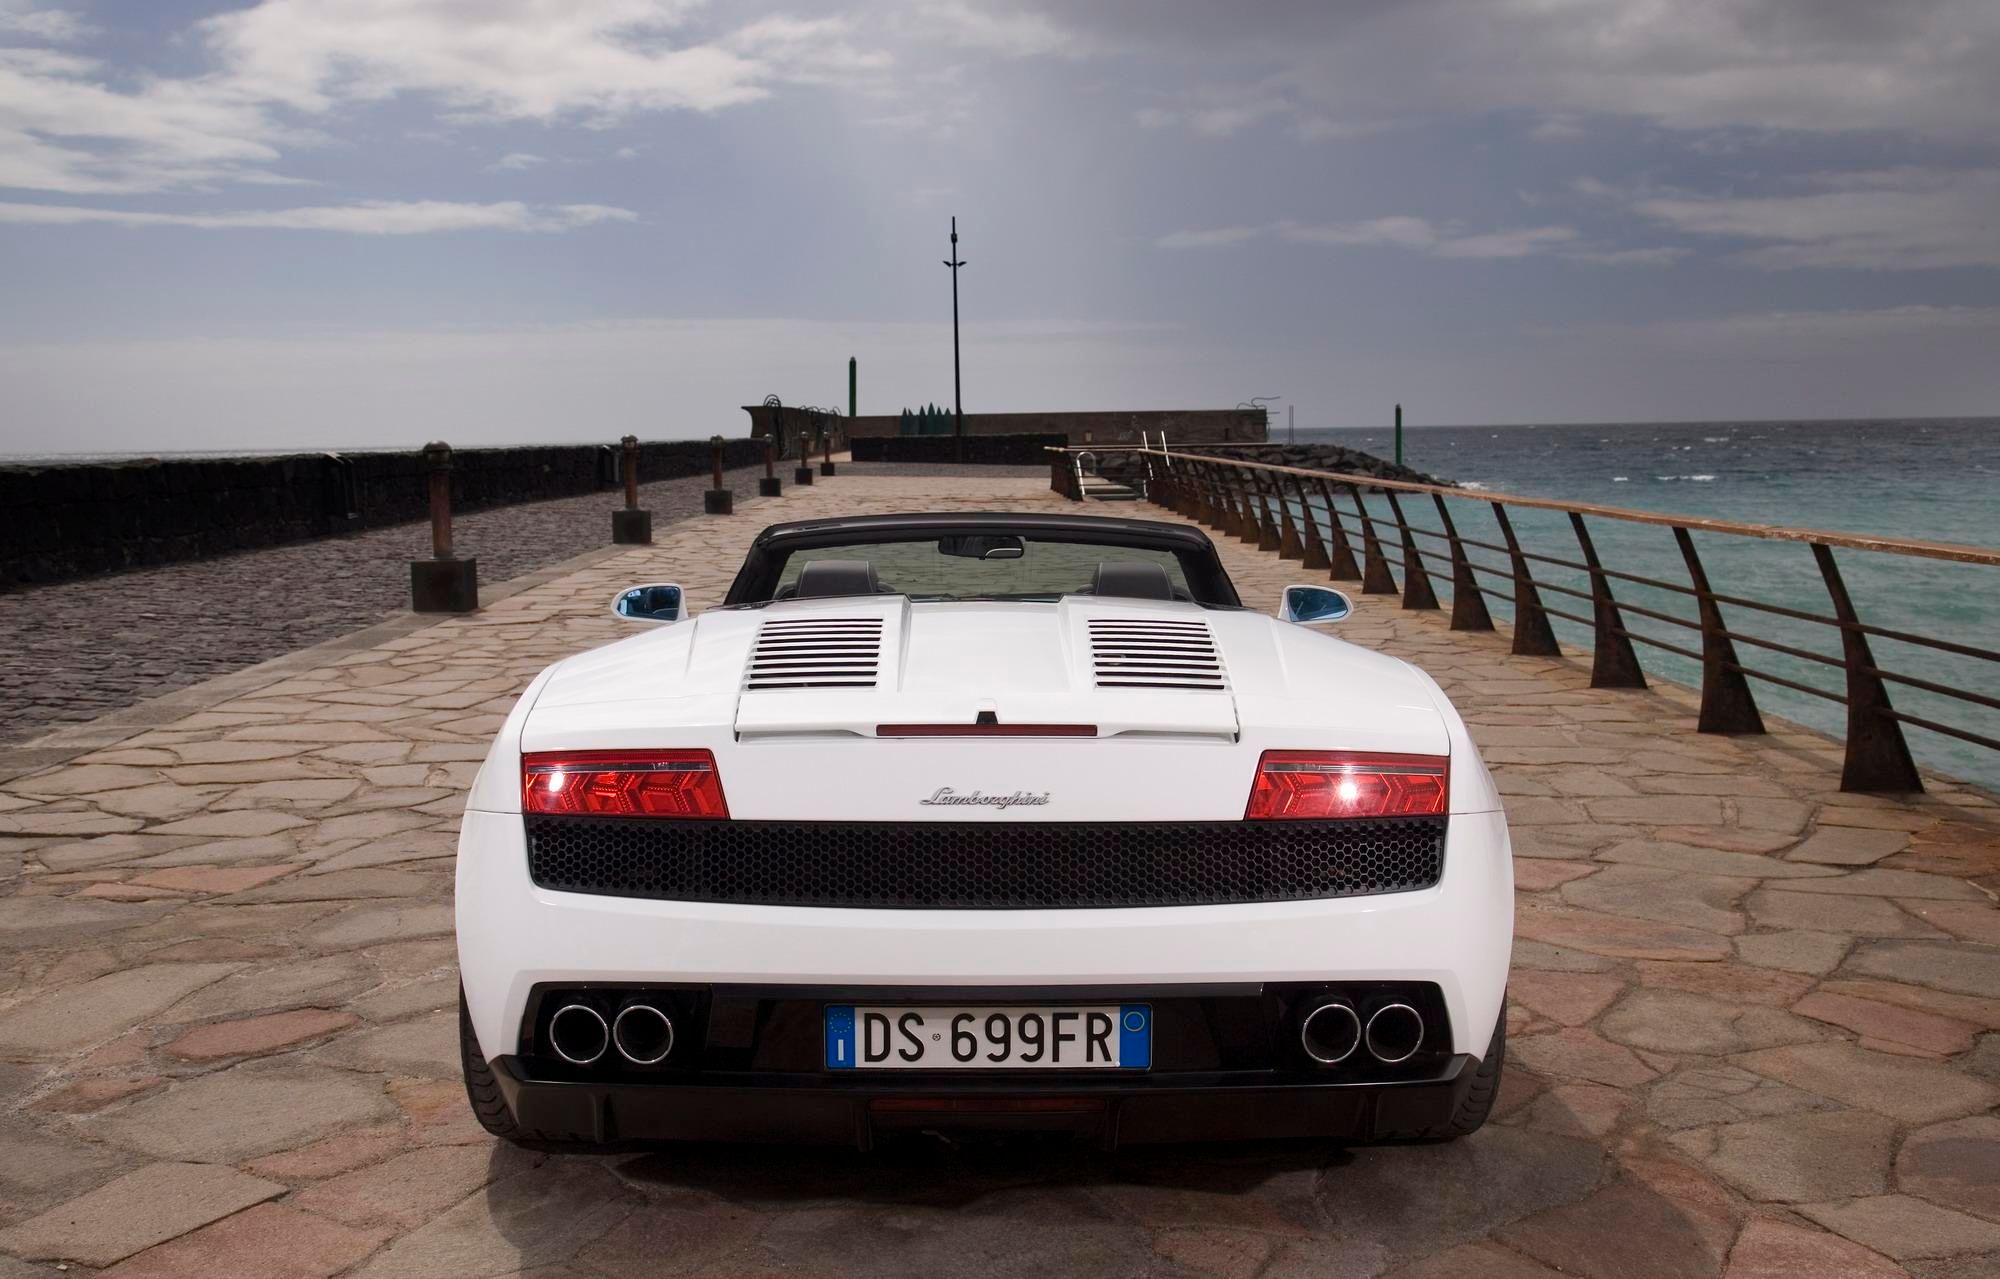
x,y
815,652
1144,652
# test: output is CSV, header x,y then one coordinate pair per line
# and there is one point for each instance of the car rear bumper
x,y
514,937
813,1109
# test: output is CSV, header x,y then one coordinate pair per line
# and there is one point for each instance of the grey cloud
x,y
1894,220
374,217
68,124
1925,66
1420,235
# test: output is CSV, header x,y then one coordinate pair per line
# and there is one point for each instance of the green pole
x,y
850,386
1399,435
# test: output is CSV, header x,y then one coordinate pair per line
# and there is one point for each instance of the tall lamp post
x,y
957,390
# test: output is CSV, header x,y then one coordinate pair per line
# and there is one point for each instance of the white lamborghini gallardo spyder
x,y
951,821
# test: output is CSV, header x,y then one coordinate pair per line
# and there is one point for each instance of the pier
x,y
1754,1017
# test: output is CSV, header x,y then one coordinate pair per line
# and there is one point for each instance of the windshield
x,y
1012,567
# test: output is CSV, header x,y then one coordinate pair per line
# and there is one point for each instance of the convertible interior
x,y
1125,579
983,556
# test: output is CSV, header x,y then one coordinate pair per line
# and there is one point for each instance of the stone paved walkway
x,y
1755,1023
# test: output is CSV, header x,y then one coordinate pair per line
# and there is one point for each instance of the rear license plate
x,y
1093,1037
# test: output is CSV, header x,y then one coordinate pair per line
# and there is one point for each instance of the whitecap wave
x,y
1621,479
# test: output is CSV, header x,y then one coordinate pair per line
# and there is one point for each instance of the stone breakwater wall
x,y
979,450
70,520
1313,457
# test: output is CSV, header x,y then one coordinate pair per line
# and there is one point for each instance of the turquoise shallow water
x,y
1932,478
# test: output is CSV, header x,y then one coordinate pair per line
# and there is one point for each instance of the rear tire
x,y
481,1089
1478,1103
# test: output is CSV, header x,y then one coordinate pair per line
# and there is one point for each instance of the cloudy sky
x,y
342,223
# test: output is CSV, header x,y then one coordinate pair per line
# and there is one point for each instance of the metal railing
x,y
1297,513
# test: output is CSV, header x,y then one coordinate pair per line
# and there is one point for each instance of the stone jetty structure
x,y
1754,1021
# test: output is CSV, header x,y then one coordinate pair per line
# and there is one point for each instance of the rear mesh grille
x,y
816,652
1152,653
983,865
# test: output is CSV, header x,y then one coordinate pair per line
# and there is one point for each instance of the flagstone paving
x,y
1755,1022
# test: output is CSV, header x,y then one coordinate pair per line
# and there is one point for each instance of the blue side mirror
x,y
1310,605
660,602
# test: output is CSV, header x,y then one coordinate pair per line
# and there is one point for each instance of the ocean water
x,y
1934,479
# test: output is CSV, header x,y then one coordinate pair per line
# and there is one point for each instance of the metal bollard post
x,y
442,583
770,485
718,500
826,463
631,526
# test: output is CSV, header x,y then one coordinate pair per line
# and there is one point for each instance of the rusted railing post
x,y
1417,592
1533,635
1375,578
1312,554
1613,663
631,526
1341,566
718,500
1251,530
1726,703
1171,492
770,485
1290,545
1231,524
1268,537
443,583
1468,605
437,456
1180,496
1199,508
1878,759
1221,511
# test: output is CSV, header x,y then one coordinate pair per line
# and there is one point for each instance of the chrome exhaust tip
x,y
1395,1032
644,1035
578,1034
1330,1032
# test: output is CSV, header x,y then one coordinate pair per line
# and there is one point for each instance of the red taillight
x,y
622,784
1323,784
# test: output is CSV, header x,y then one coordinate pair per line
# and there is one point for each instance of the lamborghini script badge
x,y
946,796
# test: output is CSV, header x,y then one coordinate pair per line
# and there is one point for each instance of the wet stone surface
x,y
1755,1025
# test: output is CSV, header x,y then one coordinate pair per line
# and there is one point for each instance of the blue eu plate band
x,y
1135,1037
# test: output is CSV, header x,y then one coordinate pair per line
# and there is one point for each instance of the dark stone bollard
x,y
631,526
444,583
770,485
718,500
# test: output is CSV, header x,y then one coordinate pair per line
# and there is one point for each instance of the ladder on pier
x,y
1092,487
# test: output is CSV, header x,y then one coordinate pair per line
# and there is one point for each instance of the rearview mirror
x,y
1311,605
983,546
659,602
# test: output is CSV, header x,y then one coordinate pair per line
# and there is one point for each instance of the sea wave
x,y
1692,479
